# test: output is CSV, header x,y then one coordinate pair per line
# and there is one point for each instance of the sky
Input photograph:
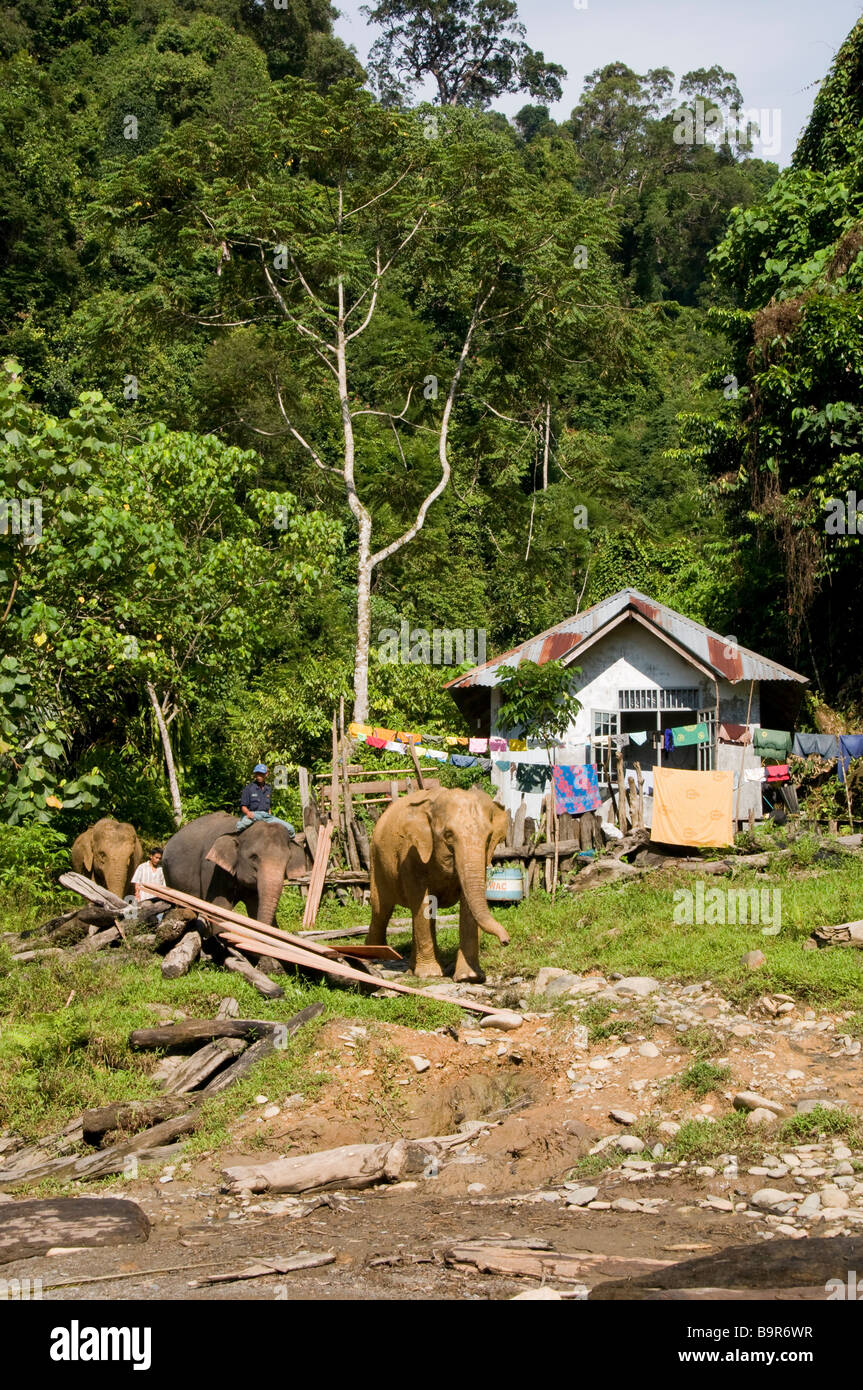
x,y
778,49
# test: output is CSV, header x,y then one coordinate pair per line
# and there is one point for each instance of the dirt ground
x,y
545,1095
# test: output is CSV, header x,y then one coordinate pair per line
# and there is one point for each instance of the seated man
x,y
148,876
255,801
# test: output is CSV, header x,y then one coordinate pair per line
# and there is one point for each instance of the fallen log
x,y
203,1064
844,934
104,1161
775,1264
256,1053
129,1116
352,1166
537,1264
182,957
22,957
274,1264
173,926
30,1228
91,944
86,888
261,982
191,1032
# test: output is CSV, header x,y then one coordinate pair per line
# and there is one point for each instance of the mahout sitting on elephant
x,y
210,859
430,849
109,853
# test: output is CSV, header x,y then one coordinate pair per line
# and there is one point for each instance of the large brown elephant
x,y
430,849
109,853
211,859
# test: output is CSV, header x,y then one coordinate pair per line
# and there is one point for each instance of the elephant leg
x,y
382,911
251,901
467,966
424,956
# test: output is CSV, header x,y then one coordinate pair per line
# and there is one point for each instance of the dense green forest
x,y
291,357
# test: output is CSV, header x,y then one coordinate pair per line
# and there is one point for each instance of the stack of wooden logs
x,y
213,1055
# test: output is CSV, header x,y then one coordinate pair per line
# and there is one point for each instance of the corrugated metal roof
x,y
723,657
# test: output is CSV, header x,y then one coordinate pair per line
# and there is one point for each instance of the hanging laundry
x,y
485,764
667,740
497,745
376,742
772,745
640,738
410,738
386,734
692,808
503,766
532,777
437,754
518,745
478,745
576,789
392,746
778,772
850,746
753,774
460,760
619,742
734,733
360,738
816,745
355,730
687,735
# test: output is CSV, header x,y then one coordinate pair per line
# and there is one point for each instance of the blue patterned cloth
x,y
850,746
576,789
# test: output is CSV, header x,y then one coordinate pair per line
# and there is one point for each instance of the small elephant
x,y
211,859
430,849
109,852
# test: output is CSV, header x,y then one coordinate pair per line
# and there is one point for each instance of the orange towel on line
x,y
692,808
386,734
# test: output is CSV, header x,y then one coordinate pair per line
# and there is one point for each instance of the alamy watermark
x,y
751,129
844,518
847,1290
418,646
719,907
21,516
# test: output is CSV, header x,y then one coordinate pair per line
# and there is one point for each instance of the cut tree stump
x,y
182,957
30,1228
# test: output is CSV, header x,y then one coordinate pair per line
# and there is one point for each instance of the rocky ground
x,y
550,1154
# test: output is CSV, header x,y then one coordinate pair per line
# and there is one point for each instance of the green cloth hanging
x,y
772,745
687,735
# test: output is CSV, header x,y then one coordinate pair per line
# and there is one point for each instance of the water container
x,y
504,885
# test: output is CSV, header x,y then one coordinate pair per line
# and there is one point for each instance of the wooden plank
x,y
203,1063
93,892
30,1228
130,1115
259,981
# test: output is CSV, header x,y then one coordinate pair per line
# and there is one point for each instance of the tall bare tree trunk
x,y
546,446
170,767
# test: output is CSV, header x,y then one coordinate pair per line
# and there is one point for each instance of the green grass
x,y
703,1077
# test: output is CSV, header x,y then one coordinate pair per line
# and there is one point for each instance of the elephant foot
x,y
465,973
427,969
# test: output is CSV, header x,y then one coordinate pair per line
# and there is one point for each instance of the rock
x,y
753,959
794,1075
474,1188
751,1100
261,1100
640,985
625,1204
420,1064
809,1205
580,1196
648,1049
590,985
841,1152
761,1116
670,1127
719,1203
546,975
769,1197
599,1064
271,1112
630,1144
622,1117
805,1107
542,1295
506,1020
834,1197
743,1030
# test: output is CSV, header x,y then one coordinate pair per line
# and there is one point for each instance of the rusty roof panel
x,y
721,654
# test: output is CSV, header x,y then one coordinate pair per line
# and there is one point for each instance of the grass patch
x,y
702,1041
595,1015
703,1077
808,1129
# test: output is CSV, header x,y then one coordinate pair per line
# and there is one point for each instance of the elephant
x,y
212,860
109,852
430,849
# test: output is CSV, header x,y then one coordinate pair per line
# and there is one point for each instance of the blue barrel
x,y
504,885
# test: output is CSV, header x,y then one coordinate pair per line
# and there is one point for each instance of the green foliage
x,y
538,699
703,1077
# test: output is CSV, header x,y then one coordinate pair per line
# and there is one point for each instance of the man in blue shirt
x,y
255,800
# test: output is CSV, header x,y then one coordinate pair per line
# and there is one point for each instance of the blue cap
x,y
259,767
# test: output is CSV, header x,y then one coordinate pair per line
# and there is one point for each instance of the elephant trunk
x,y
471,873
270,882
117,879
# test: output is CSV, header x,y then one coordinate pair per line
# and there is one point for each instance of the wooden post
x,y
621,792
640,777
416,763
742,756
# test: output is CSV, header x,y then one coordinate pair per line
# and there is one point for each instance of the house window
x,y
638,699
605,723
680,699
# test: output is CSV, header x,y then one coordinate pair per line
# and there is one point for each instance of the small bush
x,y
703,1077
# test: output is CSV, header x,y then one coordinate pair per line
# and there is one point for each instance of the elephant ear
x,y
82,853
224,853
499,824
